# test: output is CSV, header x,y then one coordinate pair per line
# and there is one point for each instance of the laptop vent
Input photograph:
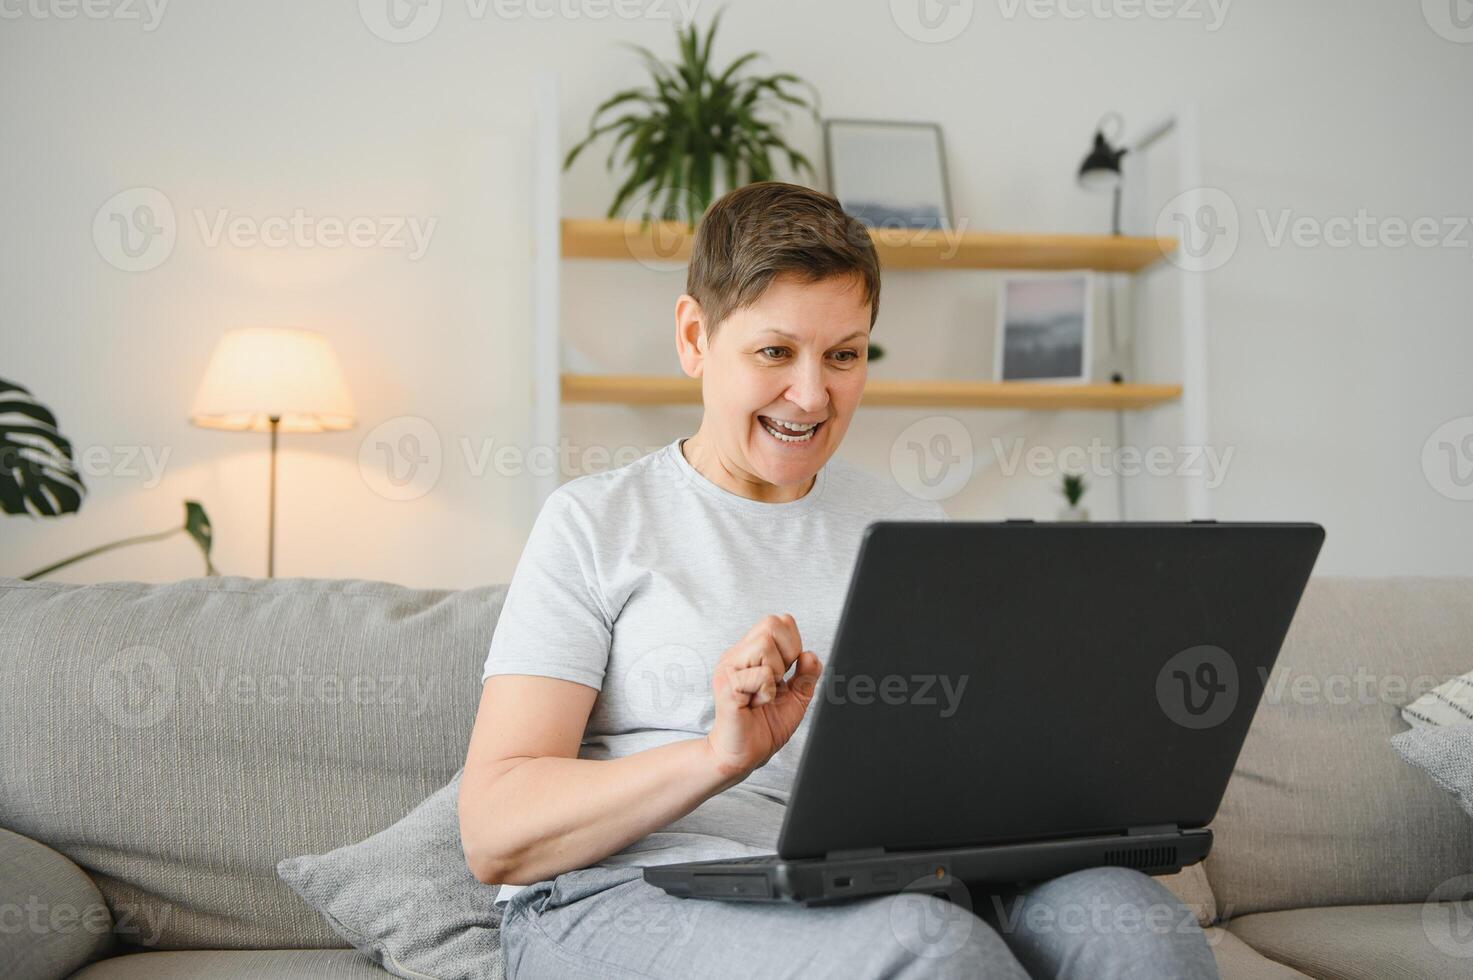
x,y
1142,858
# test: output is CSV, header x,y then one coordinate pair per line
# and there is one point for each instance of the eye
x,y
846,356
775,353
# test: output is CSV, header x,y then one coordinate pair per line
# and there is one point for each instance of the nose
x,y
808,391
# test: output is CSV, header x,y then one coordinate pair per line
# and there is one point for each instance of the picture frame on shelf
x,y
889,174
1044,325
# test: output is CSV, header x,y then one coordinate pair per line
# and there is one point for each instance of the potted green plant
x,y
38,477
694,133
1073,491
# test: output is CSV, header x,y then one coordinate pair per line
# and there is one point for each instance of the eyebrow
x,y
788,336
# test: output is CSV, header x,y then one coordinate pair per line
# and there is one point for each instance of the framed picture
x,y
888,174
1043,327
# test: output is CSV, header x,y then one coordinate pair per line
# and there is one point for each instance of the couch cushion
x,y
215,964
1445,755
1236,960
1321,810
1367,942
177,741
405,897
52,917
1190,885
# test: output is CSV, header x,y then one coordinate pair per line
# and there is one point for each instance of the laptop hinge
x,y
859,852
1154,829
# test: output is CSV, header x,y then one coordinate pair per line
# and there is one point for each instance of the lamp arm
x,y
1154,135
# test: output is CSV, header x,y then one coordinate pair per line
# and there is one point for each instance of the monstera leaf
x,y
37,475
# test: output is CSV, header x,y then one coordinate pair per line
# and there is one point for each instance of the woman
x,y
662,640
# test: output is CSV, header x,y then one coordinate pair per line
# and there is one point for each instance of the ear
x,y
690,335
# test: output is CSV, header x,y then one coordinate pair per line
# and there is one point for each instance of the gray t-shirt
x,y
636,581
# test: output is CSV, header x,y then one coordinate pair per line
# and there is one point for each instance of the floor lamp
x,y
273,379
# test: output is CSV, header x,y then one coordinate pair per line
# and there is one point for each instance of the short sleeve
x,y
554,622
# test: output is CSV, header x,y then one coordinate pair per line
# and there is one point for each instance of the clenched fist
x,y
757,711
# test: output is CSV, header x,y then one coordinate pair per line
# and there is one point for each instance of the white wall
x,y
1330,367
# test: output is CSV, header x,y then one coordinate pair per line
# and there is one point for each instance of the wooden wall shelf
x,y
637,389
669,241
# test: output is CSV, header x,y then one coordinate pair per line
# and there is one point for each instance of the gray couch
x,y
162,747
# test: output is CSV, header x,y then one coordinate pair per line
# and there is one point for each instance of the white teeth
x,y
805,437
795,426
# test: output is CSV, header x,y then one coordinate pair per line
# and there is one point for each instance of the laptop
x,y
1006,702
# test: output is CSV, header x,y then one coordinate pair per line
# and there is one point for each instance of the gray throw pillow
x,y
1447,756
405,898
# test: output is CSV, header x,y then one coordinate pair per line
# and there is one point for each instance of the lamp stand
x,y
275,421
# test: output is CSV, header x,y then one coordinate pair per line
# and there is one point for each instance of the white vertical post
x,y
546,270
1193,320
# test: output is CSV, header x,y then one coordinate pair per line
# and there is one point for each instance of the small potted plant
x,y
695,131
1073,490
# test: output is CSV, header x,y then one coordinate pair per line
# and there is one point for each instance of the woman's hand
x,y
756,710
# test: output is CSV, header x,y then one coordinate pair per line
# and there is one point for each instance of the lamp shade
x,y
260,372
1100,170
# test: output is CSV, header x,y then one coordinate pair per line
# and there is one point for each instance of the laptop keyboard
x,y
760,859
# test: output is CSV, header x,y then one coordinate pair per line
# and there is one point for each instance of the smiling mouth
x,y
784,430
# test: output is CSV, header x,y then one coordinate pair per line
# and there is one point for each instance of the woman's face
x,y
780,380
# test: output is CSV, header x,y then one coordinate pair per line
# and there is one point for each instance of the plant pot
x,y
1073,513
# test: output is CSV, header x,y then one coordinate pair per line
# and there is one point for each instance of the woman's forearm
x,y
534,818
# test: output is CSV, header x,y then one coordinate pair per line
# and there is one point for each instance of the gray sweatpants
x,y
1091,925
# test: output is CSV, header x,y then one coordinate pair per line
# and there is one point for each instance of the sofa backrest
x,y
178,740
1321,810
